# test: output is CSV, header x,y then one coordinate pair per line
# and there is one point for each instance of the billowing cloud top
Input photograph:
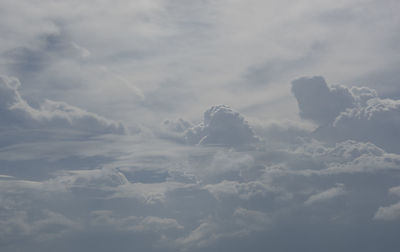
x,y
349,113
221,126
318,102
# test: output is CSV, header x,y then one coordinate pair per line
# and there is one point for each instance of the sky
x,y
209,125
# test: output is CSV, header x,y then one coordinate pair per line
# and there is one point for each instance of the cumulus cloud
x,y
392,212
348,113
327,195
378,121
349,157
210,189
318,102
15,111
221,126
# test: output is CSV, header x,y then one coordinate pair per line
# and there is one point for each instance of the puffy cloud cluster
x,y
221,126
169,196
378,122
342,113
15,111
392,212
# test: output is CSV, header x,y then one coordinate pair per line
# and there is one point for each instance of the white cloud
x,y
221,126
392,212
327,195
106,219
349,157
388,213
46,226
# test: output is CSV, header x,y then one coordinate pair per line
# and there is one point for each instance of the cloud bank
x,y
15,111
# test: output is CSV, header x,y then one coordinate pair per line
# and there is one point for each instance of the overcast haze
x,y
212,125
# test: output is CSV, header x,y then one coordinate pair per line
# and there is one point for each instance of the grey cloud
x,y
221,126
144,192
51,114
356,113
25,61
350,157
44,226
107,219
178,126
318,102
283,135
395,191
378,122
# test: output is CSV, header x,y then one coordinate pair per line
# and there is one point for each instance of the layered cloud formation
x,y
93,159
197,187
15,111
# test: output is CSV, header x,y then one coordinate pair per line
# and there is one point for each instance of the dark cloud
x,y
318,102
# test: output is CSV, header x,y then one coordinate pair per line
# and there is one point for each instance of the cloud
x,y
388,213
146,60
378,122
244,191
342,113
46,225
327,195
392,212
241,223
51,114
349,157
104,218
318,102
148,193
395,191
221,126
